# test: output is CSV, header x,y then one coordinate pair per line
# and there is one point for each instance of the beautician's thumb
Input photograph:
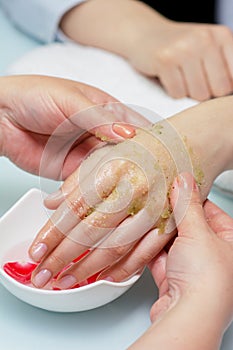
x,y
102,123
187,207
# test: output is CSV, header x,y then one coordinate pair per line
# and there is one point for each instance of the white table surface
x,y
116,325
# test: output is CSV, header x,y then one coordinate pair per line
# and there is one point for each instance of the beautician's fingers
x,y
100,122
219,221
157,267
125,114
53,200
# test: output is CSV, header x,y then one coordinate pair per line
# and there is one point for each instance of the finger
x,y
224,39
217,73
158,269
173,82
114,247
196,81
85,235
93,228
75,208
99,121
128,115
219,221
187,207
53,200
140,256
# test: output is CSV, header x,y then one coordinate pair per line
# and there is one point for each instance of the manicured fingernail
x,y
42,278
66,282
187,181
55,196
123,130
108,278
38,251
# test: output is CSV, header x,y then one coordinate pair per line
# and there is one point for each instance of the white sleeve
x,y
38,18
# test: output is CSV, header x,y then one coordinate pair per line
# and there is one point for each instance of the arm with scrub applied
x,y
116,204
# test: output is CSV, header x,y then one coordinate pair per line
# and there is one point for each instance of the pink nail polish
x,y
125,131
66,282
108,278
42,278
39,251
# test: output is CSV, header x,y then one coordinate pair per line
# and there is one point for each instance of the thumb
x,y
187,207
100,122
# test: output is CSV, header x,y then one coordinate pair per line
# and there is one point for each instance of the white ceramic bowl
x,y
19,225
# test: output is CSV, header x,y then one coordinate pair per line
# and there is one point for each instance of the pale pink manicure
x,y
66,282
42,278
38,251
108,278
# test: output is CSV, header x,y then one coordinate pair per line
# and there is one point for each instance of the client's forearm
x,y
207,129
109,24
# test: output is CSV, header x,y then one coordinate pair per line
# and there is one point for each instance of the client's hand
x,y
32,108
114,199
132,181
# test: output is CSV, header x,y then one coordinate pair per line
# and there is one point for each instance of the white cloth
x,y
110,73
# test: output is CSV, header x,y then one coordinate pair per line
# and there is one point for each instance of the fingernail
x,y
38,251
55,196
122,130
42,278
108,278
66,282
187,181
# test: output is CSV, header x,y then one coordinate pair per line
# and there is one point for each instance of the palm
x,y
33,112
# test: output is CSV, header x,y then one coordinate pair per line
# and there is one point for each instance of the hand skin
x,y
84,219
195,278
33,107
189,59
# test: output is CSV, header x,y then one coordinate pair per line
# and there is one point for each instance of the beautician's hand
x,y
195,278
32,108
189,59
200,259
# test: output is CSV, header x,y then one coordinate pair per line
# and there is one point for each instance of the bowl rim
x,y
26,288
127,283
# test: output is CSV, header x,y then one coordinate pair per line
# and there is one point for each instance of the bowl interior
x,y
20,225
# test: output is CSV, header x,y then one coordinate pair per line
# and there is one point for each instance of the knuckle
x,y
117,252
124,272
222,89
91,235
224,31
145,258
201,96
78,206
56,261
165,57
